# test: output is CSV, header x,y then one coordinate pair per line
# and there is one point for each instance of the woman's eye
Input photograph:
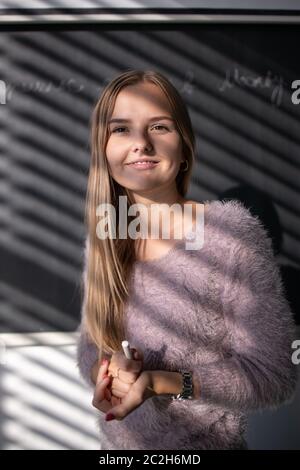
x,y
120,128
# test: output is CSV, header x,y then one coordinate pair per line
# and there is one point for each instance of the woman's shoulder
x,y
227,211
245,230
234,213
232,208
233,223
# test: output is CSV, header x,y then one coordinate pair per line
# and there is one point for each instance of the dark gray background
x,y
246,133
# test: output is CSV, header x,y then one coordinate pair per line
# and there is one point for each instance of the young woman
x,y
211,327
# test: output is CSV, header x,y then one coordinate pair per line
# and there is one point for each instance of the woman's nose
x,y
142,144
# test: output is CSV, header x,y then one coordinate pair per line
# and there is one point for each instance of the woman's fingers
x,y
128,374
119,388
137,354
102,395
128,378
135,397
99,398
115,401
108,392
103,369
120,361
124,372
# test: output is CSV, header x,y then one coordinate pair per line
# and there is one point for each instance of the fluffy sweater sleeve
x,y
86,351
258,371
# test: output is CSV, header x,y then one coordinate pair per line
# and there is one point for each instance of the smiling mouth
x,y
145,165
142,162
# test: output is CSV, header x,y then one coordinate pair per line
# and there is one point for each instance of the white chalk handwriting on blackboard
x,y
271,81
188,86
70,85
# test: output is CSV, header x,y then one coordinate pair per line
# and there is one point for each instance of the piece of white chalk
x,y
126,349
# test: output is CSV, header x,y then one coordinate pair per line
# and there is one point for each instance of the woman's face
x,y
142,134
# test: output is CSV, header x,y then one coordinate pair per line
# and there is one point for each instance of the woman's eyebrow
x,y
155,118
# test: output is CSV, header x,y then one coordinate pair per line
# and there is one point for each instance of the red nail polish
x,y
104,361
109,417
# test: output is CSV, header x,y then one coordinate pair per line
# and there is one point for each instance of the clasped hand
x,y
122,385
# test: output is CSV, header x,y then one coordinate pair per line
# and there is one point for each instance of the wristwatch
x,y
187,387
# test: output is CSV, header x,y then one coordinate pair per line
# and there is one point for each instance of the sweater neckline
x,y
177,245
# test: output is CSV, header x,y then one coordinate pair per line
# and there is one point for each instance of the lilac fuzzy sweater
x,y
219,312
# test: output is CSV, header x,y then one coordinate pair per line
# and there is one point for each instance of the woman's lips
x,y
143,165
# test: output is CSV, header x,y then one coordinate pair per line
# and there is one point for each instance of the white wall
x,y
45,405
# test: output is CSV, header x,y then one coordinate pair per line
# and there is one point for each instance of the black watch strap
x,y
187,387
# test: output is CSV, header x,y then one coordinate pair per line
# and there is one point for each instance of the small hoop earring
x,y
187,166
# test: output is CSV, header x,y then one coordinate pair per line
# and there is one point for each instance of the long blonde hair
x,y
108,262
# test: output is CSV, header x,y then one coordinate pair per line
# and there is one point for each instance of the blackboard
x,y
237,82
